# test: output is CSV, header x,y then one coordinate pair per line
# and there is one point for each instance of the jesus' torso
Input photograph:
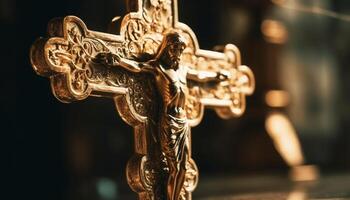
x,y
172,86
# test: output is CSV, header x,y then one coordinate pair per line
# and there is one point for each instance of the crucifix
x,y
160,81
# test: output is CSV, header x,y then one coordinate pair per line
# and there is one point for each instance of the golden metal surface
x,y
160,80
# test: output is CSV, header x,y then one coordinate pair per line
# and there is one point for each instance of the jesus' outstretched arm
x,y
113,60
207,76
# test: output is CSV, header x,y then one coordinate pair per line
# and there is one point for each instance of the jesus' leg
x,y
172,179
180,177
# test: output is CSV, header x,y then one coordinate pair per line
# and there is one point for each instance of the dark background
x,y
79,150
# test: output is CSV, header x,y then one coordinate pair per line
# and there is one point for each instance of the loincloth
x,y
174,135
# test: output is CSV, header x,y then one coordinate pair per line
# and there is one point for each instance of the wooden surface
x,y
273,187
334,186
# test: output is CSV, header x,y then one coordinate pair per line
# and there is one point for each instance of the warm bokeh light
x,y
285,139
274,31
297,195
277,98
304,173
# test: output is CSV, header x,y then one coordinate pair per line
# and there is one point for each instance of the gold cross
x,y
160,81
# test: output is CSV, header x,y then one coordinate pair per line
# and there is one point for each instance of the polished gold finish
x,y
160,81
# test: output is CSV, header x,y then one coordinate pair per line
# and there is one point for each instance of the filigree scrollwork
x,y
76,53
148,174
140,168
69,56
68,53
194,108
158,13
143,33
142,176
191,181
191,176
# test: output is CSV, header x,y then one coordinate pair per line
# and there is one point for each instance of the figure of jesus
x,y
171,81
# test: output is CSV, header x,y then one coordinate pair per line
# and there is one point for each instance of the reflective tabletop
x,y
273,187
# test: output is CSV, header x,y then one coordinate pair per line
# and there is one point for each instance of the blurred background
x,y
296,126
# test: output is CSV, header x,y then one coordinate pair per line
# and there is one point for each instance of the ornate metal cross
x,y
160,81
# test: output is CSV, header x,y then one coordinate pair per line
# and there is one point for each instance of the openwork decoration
x,y
161,82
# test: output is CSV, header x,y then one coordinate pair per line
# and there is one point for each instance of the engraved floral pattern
x,y
144,34
77,54
74,54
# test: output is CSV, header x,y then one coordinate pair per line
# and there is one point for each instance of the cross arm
x,y
218,81
67,56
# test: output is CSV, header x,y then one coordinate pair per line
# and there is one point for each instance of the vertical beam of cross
x,y
68,58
